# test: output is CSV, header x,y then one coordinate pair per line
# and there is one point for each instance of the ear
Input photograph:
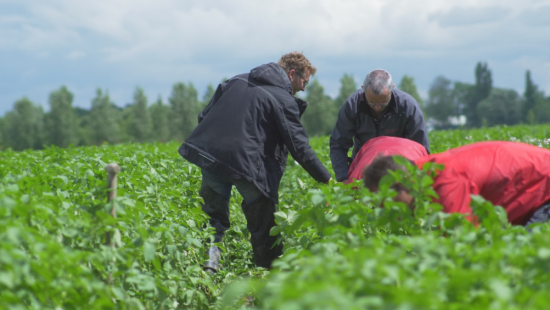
x,y
362,87
291,74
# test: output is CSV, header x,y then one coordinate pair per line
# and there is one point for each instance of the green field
x,y
340,253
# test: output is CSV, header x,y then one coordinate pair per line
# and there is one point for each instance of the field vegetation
x,y
340,251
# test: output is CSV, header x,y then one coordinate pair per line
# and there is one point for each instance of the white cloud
x,y
468,16
205,40
76,55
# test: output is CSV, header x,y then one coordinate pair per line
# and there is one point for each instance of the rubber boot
x,y
260,219
213,263
217,208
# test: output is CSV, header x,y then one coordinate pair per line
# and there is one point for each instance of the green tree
x,y
347,87
184,109
61,122
320,115
480,91
542,109
407,85
501,107
103,120
3,125
84,131
461,95
533,101
25,129
140,126
159,118
441,102
530,95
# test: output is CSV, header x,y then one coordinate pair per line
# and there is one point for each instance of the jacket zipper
x,y
376,125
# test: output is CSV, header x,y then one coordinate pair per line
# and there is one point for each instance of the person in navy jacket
x,y
377,109
243,139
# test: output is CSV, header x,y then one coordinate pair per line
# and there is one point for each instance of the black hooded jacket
x,y
248,128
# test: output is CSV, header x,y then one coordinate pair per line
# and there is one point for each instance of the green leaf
x,y
543,253
275,230
183,230
117,238
63,178
172,248
149,250
6,278
426,181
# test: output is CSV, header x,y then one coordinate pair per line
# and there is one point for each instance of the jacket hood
x,y
271,74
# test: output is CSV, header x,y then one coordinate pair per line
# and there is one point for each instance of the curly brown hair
x,y
296,61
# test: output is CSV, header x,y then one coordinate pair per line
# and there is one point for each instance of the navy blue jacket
x,y
357,124
248,128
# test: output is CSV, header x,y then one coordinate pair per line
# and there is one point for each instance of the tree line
x,y
485,105
27,126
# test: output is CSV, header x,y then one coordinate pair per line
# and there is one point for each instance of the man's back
x,y
383,146
248,128
513,175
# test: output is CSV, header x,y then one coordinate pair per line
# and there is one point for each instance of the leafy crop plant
x,y
345,248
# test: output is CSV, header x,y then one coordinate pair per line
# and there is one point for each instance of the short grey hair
x,y
378,80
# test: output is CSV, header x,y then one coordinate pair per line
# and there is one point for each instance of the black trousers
x,y
259,215
542,215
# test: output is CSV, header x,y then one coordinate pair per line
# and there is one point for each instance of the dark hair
x,y
373,173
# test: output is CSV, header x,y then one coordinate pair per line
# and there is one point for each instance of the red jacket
x,y
515,176
383,145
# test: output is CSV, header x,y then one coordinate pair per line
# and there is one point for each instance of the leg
x,y
259,221
215,192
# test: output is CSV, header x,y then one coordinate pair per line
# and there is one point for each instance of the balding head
x,y
378,80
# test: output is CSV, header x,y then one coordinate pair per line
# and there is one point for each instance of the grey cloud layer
x,y
140,42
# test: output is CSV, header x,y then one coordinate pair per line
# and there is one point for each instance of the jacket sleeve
x,y
297,141
415,127
341,140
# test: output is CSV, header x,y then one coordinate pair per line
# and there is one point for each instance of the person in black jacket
x,y
377,109
243,139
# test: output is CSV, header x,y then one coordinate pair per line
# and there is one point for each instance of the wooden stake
x,y
112,171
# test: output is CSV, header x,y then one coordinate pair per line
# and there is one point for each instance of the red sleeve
x,y
454,195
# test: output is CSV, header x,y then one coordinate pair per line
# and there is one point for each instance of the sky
x,y
118,45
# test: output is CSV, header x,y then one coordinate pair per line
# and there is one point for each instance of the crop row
x,y
339,252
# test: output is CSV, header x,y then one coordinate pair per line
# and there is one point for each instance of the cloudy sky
x,y
119,44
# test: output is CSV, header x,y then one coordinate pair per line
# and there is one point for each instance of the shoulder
x,y
406,102
353,100
404,99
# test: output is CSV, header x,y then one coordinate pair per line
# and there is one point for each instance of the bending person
x,y
515,176
377,109
243,139
383,146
